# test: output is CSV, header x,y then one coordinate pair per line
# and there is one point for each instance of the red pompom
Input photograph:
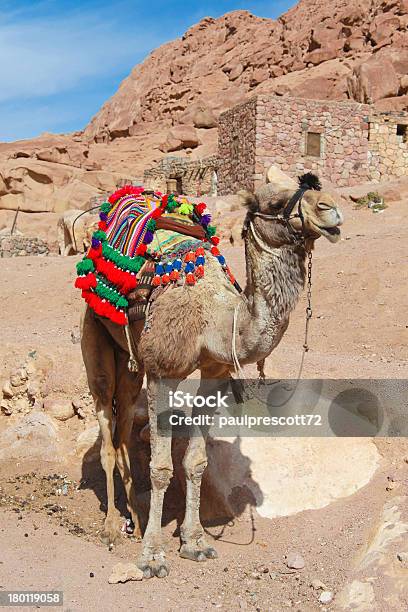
x,y
200,208
214,251
94,254
199,271
141,249
86,282
189,257
124,191
102,225
190,278
200,251
156,280
215,240
165,279
174,275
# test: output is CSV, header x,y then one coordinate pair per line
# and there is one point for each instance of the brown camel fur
x,y
189,328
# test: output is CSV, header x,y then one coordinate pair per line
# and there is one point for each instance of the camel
x,y
208,326
72,241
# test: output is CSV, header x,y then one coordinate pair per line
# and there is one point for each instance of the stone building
x,y
180,175
345,142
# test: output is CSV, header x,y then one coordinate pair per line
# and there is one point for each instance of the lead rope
x,y
261,364
132,363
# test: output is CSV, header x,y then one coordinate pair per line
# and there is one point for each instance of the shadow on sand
x,y
220,502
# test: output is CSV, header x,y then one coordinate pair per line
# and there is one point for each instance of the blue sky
x,y
60,60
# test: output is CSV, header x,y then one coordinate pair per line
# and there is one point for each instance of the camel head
x,y
321,215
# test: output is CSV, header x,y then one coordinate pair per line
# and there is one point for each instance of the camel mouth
x,y
331,230
331,233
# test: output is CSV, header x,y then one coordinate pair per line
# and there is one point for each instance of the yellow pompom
x,y
186,209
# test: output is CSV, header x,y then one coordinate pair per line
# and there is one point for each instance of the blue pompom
x,y
221,259
177,263
159,269
189,267
168,267
200,261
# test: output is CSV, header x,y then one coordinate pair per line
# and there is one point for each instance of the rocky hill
x,y
337,50
343,49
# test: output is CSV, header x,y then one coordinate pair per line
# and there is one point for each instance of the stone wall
x,y
237,141
343,142
388,145
189,177
283,128
18,246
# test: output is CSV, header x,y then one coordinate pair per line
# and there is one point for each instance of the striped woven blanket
x,y
128,236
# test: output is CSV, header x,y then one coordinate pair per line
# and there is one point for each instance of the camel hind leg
x,y
99,359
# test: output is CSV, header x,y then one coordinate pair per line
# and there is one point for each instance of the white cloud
x,y
43,57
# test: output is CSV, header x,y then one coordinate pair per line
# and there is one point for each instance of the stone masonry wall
x,y
195,176
282,128
236,148
17,245
388,146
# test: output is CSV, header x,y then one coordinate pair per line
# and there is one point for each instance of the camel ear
x,y
249,200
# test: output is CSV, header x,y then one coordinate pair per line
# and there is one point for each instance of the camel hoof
x,y
162,571
110,536
147,571
210,553
193,554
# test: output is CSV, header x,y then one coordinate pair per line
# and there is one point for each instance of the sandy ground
x,y
359,329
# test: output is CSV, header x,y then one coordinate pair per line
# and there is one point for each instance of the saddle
x,y
140,297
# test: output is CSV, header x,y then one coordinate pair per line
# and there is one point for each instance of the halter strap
x,y
295,199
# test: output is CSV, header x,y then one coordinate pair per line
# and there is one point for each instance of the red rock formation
x,y
219,62
340,49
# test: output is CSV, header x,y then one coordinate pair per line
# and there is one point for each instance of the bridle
x,y
284,216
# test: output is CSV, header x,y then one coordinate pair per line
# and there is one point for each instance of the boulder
x,y
180,137
279,179
123,572
258,76
397,103
301,474
330,51
33,437
88,443
59,408
204,118
372,80
235,71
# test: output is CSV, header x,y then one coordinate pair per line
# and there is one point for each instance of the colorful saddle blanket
x,y
135,227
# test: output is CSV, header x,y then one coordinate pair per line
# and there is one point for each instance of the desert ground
x,y
52,492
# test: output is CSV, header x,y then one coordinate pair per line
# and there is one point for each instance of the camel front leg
x,y
193,543
153,558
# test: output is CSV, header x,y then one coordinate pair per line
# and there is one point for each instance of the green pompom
x,y
105,208
151,225
171,206
100,235
211,230
85,266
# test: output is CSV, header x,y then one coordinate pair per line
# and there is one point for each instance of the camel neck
x,y
275,279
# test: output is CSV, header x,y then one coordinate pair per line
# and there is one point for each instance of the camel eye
x,y
321,206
